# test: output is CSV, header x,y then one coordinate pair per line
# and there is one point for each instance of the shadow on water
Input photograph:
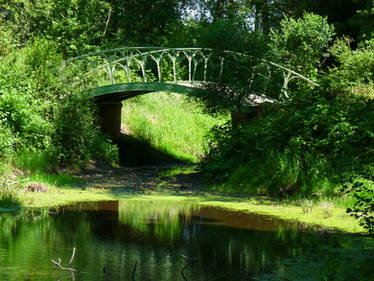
x,y
135,152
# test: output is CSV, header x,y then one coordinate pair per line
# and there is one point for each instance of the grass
x,y
9,197
37,166
171,123
65,189
58,180
276,174
33,161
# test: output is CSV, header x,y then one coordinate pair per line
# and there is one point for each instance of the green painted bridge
x,y
111,76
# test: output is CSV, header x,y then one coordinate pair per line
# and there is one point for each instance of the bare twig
x,y
58,264
192,260
72,256
366,152
184,268
72,270
107,21
10,182
65,277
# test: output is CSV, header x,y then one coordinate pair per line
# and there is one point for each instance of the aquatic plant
x,y
306,205
327,209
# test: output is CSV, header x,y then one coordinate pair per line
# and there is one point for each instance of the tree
x,y
301,44
73,25
348,16
144,22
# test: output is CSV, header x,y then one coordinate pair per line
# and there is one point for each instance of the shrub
x,y
307,145
354,73
362,191
7,141
40,113
8,197
301,44
76,137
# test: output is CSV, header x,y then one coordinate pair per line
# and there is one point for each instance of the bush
x,y
8,197
42,115
76,137
307,146
354,73
5,40
301,44
7,141
362,191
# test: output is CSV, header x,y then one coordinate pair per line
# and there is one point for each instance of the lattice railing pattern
x,y
192,66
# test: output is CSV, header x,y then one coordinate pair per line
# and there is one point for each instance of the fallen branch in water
x,y
67,276
72,256
187,265
72,270
58,264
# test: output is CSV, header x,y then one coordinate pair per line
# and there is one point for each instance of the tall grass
x,y
172,123
8,196
34,161
39,168
282,174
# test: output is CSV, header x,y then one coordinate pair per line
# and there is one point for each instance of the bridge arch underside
x,y
109,100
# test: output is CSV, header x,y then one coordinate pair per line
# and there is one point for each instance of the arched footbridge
x,y
111,76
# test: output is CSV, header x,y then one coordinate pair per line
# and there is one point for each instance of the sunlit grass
x,y
33,161
171,123
56,179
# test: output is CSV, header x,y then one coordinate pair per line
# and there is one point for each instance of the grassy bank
x,y
260,205
323,213
171,123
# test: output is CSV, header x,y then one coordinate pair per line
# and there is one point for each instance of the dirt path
x,y
142,179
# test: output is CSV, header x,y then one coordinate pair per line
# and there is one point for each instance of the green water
x,y
163,237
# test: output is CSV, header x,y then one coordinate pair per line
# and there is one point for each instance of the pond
x,y
173,241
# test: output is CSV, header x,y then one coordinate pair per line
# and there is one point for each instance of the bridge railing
x,y
191,66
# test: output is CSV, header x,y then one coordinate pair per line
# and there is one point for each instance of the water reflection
x,y
163,218
111,236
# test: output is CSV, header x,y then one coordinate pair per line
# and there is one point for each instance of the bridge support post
x,y
110,118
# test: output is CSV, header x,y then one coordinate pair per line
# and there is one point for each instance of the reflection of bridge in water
x,y
111,76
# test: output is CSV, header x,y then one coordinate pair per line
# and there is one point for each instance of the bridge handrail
x,y
288,74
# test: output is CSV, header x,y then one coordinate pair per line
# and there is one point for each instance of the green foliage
x,y
7,141
8,197
354,73
363,20
301,44
39,113
34,161
350,17
277,174
362,190
5,40
77,138
221,35
72,25
81,26
143,22
303,146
